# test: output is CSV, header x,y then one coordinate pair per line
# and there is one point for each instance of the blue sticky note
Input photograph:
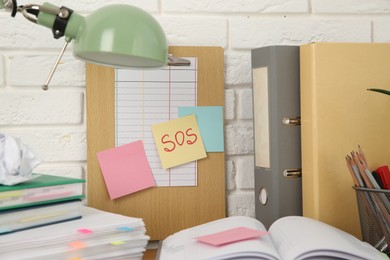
x,y
210,122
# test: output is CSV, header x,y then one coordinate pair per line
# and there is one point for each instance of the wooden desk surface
x,y
150,254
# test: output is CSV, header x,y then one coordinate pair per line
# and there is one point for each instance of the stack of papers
x,y
97,235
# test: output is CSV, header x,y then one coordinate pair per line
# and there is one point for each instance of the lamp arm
x,y
31,11
61,20
27,9
46,85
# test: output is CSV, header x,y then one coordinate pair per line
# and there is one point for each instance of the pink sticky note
x,y
125,169
230,236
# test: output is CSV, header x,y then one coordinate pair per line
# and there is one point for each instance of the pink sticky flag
x,y
77,245
230,236
125,169
85,231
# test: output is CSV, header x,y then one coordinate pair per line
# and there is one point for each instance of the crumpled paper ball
x,y
16,161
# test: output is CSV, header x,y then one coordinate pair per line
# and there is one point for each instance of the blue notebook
x,y
13,220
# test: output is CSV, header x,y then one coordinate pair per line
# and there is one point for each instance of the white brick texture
x,y
18,33
351,6
238,139
49,108
230,176
232,6
62,170
238,68
246,178
229,104
33,70
2,72
241,204
181,30
53,123
381,29
249,33
54,144
245,108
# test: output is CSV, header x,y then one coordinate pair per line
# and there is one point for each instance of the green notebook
x,y
41,190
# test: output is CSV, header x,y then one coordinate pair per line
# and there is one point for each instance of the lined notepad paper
x,y
147,97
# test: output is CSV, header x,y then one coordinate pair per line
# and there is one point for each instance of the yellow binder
x,y
338,114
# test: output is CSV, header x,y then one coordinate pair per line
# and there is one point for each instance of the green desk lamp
x,y
115,35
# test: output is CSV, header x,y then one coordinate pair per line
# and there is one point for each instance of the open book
x,y
289,238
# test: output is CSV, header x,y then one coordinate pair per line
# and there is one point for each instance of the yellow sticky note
x,y
178,141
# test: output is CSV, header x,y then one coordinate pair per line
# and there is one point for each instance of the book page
x,y
148,97
305,238
184,245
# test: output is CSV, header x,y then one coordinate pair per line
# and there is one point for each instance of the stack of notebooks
x,y
44,218
97,235
43,200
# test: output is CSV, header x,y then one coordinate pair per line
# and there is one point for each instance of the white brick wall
x,y
53,123
41,108
351,7
2,72
70,72
231,6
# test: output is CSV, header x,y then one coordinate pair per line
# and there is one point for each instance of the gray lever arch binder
x,y
276,105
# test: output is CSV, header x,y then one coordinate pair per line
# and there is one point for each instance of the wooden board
x,y
165,210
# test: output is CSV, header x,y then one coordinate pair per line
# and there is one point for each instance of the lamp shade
x,y
121,36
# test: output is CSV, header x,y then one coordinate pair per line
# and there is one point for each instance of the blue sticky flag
x,y
210,122
125,228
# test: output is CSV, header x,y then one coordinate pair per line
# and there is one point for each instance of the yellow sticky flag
x,y
117,243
